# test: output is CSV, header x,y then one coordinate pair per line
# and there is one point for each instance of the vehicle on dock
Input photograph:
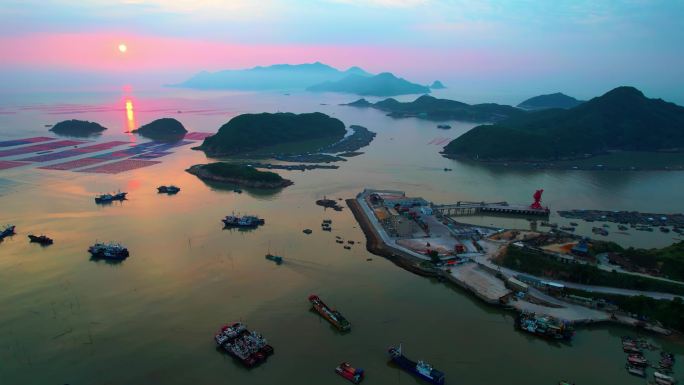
x,y
170,190
112,251
244,221
544,326
333,316
108,198
635,370
420,369
275,258
248,347
7,231
345,370
43,240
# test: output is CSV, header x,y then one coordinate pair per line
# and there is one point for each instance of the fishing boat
x,y
544,326
108,198
40,239
661,378
275,258
307,231
333,316
444,126
635,370
352,374
637,360
113,251
7,231
420,369
168,189
244,221
248,347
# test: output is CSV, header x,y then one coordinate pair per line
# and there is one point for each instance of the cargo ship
x,y
248,347
43,240
420,369
108,198
108,251
7,231
352,374
333,316
544,326
244,221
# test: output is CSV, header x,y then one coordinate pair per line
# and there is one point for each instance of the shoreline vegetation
x,y
77,128
272,134
164,129
237,174
617,124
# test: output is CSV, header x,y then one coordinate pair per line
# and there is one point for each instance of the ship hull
x,y
410,367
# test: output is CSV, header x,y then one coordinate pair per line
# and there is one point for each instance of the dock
x,y
474,208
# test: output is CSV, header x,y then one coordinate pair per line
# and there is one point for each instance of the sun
x,y
123,48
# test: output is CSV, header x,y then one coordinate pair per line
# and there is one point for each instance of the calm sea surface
x,y
150,320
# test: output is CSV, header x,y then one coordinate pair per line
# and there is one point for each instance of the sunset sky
x,y
580,47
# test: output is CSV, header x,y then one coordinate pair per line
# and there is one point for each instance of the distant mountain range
x,y
384,84
428,107
621,119
557,100
316,77
274,77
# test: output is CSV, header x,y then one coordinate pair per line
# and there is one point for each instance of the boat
x,y
599,231
568,228
108,251
635,370
574,224
622,227
663,378
7,231
275,258
248,347
41,239
333,316
420,369
352,374
244,221
168,189
307,231
347,247
544,326
637,359
107,198
444,126
237,190
664,229
631,349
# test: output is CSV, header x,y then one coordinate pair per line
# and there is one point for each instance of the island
x,y
384,84
274,134
437,85
162,129
429,107
622,119
273,77
238,174
557,100
78,128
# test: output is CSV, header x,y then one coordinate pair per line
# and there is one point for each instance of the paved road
x,y
484,259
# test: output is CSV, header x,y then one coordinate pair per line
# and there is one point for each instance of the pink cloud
x,y
99,52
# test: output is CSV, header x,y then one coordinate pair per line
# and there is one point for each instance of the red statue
x,y
537,200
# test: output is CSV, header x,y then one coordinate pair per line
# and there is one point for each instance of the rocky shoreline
x,y
199,172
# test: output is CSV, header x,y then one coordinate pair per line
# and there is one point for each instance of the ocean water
x,y
65,319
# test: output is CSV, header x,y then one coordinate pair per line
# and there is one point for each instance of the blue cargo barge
x,y
420,369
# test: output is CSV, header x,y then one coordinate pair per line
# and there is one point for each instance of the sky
x,y
583,48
